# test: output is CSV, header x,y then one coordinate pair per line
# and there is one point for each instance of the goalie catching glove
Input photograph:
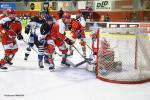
x,y
69,41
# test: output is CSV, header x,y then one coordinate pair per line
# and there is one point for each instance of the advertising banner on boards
x,y
103,5
35,6
7,5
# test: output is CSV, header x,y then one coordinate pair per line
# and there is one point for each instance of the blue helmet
x,y
49,18
43,12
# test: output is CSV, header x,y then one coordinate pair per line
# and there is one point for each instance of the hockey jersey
x,y
57,33
82,21
76,29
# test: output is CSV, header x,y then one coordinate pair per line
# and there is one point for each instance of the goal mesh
x,y
123,55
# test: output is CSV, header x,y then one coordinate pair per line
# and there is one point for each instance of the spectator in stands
x,y
127,19
106,18
102,18
61,12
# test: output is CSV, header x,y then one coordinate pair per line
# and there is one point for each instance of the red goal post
x,y
123,56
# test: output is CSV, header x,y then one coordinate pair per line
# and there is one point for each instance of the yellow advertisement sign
x,y
35,6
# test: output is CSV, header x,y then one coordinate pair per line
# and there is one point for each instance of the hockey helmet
x,y
49,18
10,11
79,11
34,19
66,15
42,12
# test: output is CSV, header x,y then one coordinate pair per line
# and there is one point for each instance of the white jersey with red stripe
x,y
82,21
62,26
4,20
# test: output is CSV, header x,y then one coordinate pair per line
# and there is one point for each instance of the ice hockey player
x,y
77,32
34,28
10,28
42,49
42,16
31,28
57,38
2,16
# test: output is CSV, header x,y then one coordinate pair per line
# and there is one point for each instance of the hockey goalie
x,y
106,55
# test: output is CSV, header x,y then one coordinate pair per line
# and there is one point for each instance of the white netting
x,y
124,58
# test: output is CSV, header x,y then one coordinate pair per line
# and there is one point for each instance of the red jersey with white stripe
x,y
57,33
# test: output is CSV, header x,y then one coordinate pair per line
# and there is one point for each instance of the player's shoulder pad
x,y
4,20
44,28
17,19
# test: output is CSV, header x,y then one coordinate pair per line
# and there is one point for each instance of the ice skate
x,y
65,63
41,65
2,67
10,63
51,67
46,62
26,56
71,53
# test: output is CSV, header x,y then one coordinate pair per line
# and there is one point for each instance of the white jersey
x,y
4,20
35,29
7,19
82,21
62,26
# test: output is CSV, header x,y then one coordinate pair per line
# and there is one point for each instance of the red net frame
x,y
128,79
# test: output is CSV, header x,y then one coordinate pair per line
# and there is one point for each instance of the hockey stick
x,y
57,54
25,42
86,59
31,47
78,52
80,63
89,47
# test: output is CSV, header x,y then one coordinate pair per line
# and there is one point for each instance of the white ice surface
x,y
24,78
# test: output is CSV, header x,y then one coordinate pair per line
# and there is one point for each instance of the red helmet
x,y
10,11
79,11
66,15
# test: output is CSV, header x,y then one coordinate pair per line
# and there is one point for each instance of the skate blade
x,y
3,70
41,68
71,63
52,70
65,65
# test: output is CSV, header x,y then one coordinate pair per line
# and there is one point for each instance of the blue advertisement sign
x,y
7,5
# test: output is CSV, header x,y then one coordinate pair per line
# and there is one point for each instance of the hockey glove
x,y
6,25
27,29
79,34
42,42
69,27
20,37
69,41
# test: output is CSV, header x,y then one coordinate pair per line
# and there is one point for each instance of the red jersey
x,y
76,28
57,33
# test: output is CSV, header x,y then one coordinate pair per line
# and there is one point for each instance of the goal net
x,y
123,55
